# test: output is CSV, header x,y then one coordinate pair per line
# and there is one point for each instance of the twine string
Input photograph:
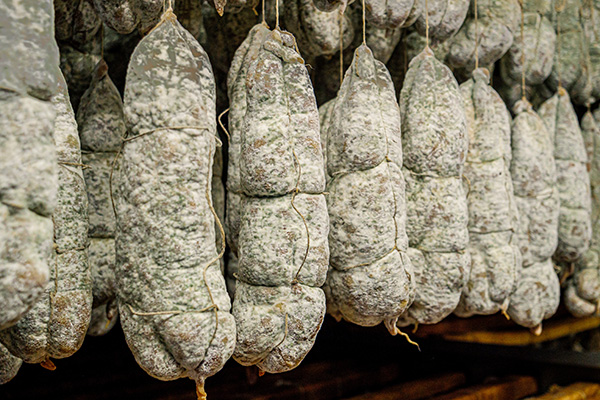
x,y
223,126
364,22
523,96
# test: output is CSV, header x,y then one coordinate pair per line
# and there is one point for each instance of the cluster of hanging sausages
x,y
369,208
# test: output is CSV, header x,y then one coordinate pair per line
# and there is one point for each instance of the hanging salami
x,y
56,325
493,216
171,294
582,293
533,172
435,144
369,279
283,250
101,129
573,181
28,167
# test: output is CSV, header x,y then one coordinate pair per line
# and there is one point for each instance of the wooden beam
x,y
511,388
552,330
576,391
416,390
330,383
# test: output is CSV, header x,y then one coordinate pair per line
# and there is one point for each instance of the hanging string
x,y
426,24
263,13
277,14
364,22
476,36
523,96
341,45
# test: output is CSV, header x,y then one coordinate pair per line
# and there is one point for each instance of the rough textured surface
x,y
9,365
493,215
392,14
236,85
573,181
539,41
172,299
236,90
533,173
101,126
435,143
28,67
325,119
76,21
79,36
125,15
317,32
56,325
369,279
582,293
331,5
232,6
283,248
78,68
572,59
383,42
498,21
537,295
414,43
591,20
27,199
445,18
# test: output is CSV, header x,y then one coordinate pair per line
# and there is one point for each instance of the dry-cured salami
x,y
317,32
28,80
533,172
571,68
497,23
392,14
125,15
101,128
172,300
283,250
539,44
493,215
582,293
445,17
369,279
435,144
56,325
9,365
573,181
